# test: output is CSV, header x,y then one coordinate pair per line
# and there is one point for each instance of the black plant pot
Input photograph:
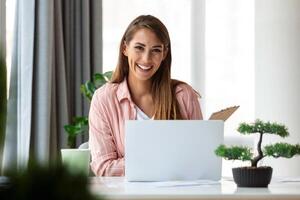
x,y
252,176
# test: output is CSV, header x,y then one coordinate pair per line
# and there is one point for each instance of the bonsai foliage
x,y
274,150
80,124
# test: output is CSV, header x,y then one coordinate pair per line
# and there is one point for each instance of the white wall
x,y
277,73
228,74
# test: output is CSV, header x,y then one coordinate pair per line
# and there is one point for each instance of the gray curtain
x,y
57,46
2,78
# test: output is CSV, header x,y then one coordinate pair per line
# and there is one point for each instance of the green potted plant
x,y
77,160
254,175
80,124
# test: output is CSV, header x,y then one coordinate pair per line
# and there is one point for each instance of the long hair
x,y
163,87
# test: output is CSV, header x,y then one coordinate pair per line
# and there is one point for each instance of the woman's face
x,y
145,52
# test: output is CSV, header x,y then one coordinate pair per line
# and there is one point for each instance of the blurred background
x,y
233,52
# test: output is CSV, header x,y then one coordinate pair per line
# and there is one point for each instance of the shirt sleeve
x,y
105,161
194,107
188,100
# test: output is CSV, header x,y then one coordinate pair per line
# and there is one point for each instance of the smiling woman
x,y
145,54
141,86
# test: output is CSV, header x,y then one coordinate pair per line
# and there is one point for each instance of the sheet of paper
x,y
287,179
223,114
172,183
185,183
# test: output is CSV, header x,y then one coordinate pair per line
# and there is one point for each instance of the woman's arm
x,y
105,160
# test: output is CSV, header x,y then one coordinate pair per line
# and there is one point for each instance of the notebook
x,y
166,150
223,114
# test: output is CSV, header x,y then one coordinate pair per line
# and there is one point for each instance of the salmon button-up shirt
x,y
111,105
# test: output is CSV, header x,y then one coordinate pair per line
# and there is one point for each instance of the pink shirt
x,y
110,107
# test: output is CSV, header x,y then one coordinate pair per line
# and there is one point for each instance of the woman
x,y
141,88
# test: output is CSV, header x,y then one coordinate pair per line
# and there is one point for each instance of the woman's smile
x,y
144,67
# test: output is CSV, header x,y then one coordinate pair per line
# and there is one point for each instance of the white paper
x,y
288,179
185,183
173,183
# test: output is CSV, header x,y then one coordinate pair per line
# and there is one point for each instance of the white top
x,y
140,115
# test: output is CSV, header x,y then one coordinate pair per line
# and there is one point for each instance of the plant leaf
x,y
234,152
108,75
282,150
263,127
81,120
88,89
99,80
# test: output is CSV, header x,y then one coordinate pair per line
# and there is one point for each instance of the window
x,y
229,78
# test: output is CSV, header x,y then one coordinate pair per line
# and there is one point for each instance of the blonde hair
x,y
163,88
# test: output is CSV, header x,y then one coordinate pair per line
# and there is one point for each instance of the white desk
x,y
118,188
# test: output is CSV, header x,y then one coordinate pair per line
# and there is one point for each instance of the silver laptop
x,y
165,150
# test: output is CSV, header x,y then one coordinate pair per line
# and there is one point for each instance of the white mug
x,y
76,160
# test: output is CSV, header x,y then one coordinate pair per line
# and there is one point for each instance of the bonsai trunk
x,y
260,155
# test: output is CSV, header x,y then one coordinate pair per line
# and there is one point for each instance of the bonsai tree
x,y
275,150
80,124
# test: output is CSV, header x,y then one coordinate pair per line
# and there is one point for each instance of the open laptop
x,y
165,150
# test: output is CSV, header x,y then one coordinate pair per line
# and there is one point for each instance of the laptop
x,y
167,150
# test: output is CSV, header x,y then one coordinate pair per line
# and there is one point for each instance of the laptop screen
x,y
164,150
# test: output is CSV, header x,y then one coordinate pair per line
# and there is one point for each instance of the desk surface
x,y
119,188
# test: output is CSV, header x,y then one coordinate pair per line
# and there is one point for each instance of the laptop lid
x,y
164,150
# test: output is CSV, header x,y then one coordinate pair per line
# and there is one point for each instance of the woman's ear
x,y
124,49
165,53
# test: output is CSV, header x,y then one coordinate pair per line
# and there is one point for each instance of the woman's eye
x,y
156,50
139,48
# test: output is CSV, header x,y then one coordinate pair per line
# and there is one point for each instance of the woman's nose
x,y
146,57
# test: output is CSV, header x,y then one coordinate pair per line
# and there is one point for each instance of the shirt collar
x,y
123,91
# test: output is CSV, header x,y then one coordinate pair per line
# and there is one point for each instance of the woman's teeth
x,y
144,67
